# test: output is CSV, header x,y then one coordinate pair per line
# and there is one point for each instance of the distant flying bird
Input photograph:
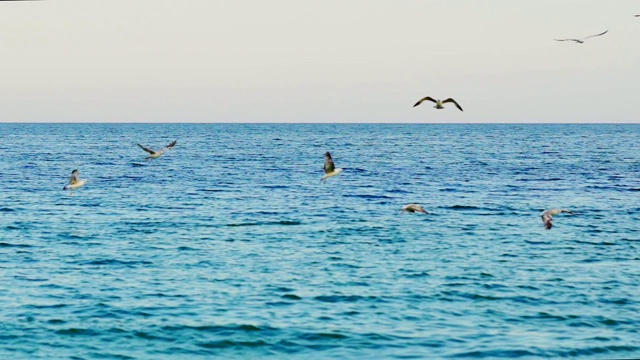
x,y
157,154
438,102
75,181
580,41
412,208
547,216
329,168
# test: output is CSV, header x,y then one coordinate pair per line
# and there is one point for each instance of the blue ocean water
x,y
229,245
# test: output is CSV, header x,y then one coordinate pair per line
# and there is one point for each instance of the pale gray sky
x,y
320,61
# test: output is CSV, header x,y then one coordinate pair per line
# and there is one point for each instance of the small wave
x,y
599,187
291,297
369,196
344,298
276,187
546,316
218,329
54,306
539,179
599,350
116,262
358,170
223,344
70,236
457,190
464,207
418,274
399,191
6,209
4,244
507,354
282,222
77,332
321,336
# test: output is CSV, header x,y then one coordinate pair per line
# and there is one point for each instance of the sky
x,y
319,61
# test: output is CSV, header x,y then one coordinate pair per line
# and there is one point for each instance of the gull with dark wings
x,y
581,41
157,154
329,168
75,181
438,102
547,216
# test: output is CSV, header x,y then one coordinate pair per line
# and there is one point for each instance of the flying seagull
x,y
75,181
329,168
547,216
157,154
412,208
438,102
580,41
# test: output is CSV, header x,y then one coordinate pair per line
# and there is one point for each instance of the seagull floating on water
x,y
547,216
75,181
438,102
412,208
329,168
157,154
581,41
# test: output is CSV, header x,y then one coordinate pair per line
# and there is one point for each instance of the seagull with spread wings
x,y
547,216
157,154
438,102
329,168
75,181
581,41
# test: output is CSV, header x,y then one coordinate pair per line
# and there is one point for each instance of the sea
x,y
229,245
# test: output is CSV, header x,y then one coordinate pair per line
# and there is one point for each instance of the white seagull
x,y
75,182
329,168
438,102
412,208
547,216
581,41
157,154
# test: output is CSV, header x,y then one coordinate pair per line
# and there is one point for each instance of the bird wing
x,y
453,101
597,34
328,164
547,220
147,149
172,144
426,98
576,40
74,177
